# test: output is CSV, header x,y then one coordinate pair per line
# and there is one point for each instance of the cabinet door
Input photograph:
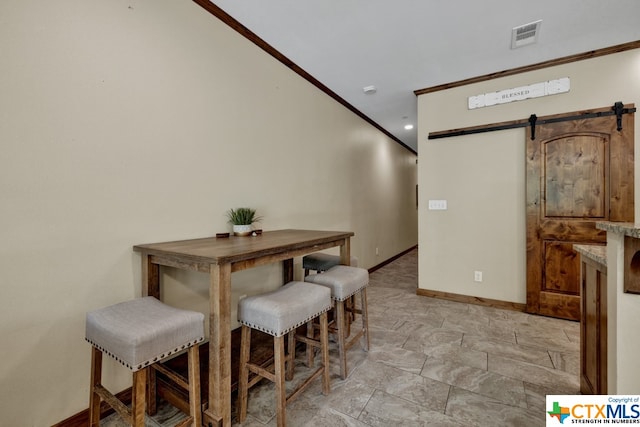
x,y
593,328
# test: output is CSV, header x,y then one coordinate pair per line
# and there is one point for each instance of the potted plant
x,y
241,219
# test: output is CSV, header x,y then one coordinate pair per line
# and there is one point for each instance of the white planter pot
x,y
242,230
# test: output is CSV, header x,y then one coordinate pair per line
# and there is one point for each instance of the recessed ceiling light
x,y
408,127
369,90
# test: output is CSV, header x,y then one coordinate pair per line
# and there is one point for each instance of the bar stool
x,y
320,261
279,313
140,334
345,282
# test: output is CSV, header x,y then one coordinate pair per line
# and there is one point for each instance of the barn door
x,y
578,172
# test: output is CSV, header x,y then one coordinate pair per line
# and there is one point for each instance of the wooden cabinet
x,y
593,319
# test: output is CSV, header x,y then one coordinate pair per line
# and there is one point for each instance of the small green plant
x,y
243,216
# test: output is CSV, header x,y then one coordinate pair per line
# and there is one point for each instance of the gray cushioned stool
x,y
320,261
139,334
345,282
279,313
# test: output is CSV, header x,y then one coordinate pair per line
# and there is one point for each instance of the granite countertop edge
x,y
597,253
626,228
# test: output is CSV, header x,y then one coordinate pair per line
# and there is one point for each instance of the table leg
x,y
287,271
345,252
219,407
345,259
150,287
150,277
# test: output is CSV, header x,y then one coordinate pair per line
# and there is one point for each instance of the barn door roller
x,y
532,122
618,108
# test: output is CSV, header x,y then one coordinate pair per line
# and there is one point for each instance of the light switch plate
x,y
437,205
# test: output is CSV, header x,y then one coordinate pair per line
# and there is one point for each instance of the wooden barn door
x,y
578,172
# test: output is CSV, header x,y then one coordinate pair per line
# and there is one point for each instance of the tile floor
x,y
434,363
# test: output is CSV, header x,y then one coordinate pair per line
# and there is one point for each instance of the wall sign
x,y
535,90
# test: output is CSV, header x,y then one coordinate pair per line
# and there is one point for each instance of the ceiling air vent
x,y
525,34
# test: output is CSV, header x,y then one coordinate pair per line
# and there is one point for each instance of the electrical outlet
x,y
377,252
477,276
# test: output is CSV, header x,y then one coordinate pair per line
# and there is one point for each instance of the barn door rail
x,y
617,110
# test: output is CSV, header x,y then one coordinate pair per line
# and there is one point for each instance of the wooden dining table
x,y
219,257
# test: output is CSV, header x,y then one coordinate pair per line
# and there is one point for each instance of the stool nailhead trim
x,y
281,333
150,361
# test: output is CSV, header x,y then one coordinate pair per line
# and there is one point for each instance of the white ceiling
x,y
405,45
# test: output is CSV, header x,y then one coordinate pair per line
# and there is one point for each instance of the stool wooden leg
x,y
243,381
96,378
365,317
349,305
152,393
194,385
138,397
341,326
310,349
291,356
324,347
281,393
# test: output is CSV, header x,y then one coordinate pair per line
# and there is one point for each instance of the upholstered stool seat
x,y
345,282
279,313
320,261
139,334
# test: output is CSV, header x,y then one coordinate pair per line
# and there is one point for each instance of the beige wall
x,y
623,321
483,178
128,122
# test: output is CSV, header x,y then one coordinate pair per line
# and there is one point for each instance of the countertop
x,y
597,253
625,228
